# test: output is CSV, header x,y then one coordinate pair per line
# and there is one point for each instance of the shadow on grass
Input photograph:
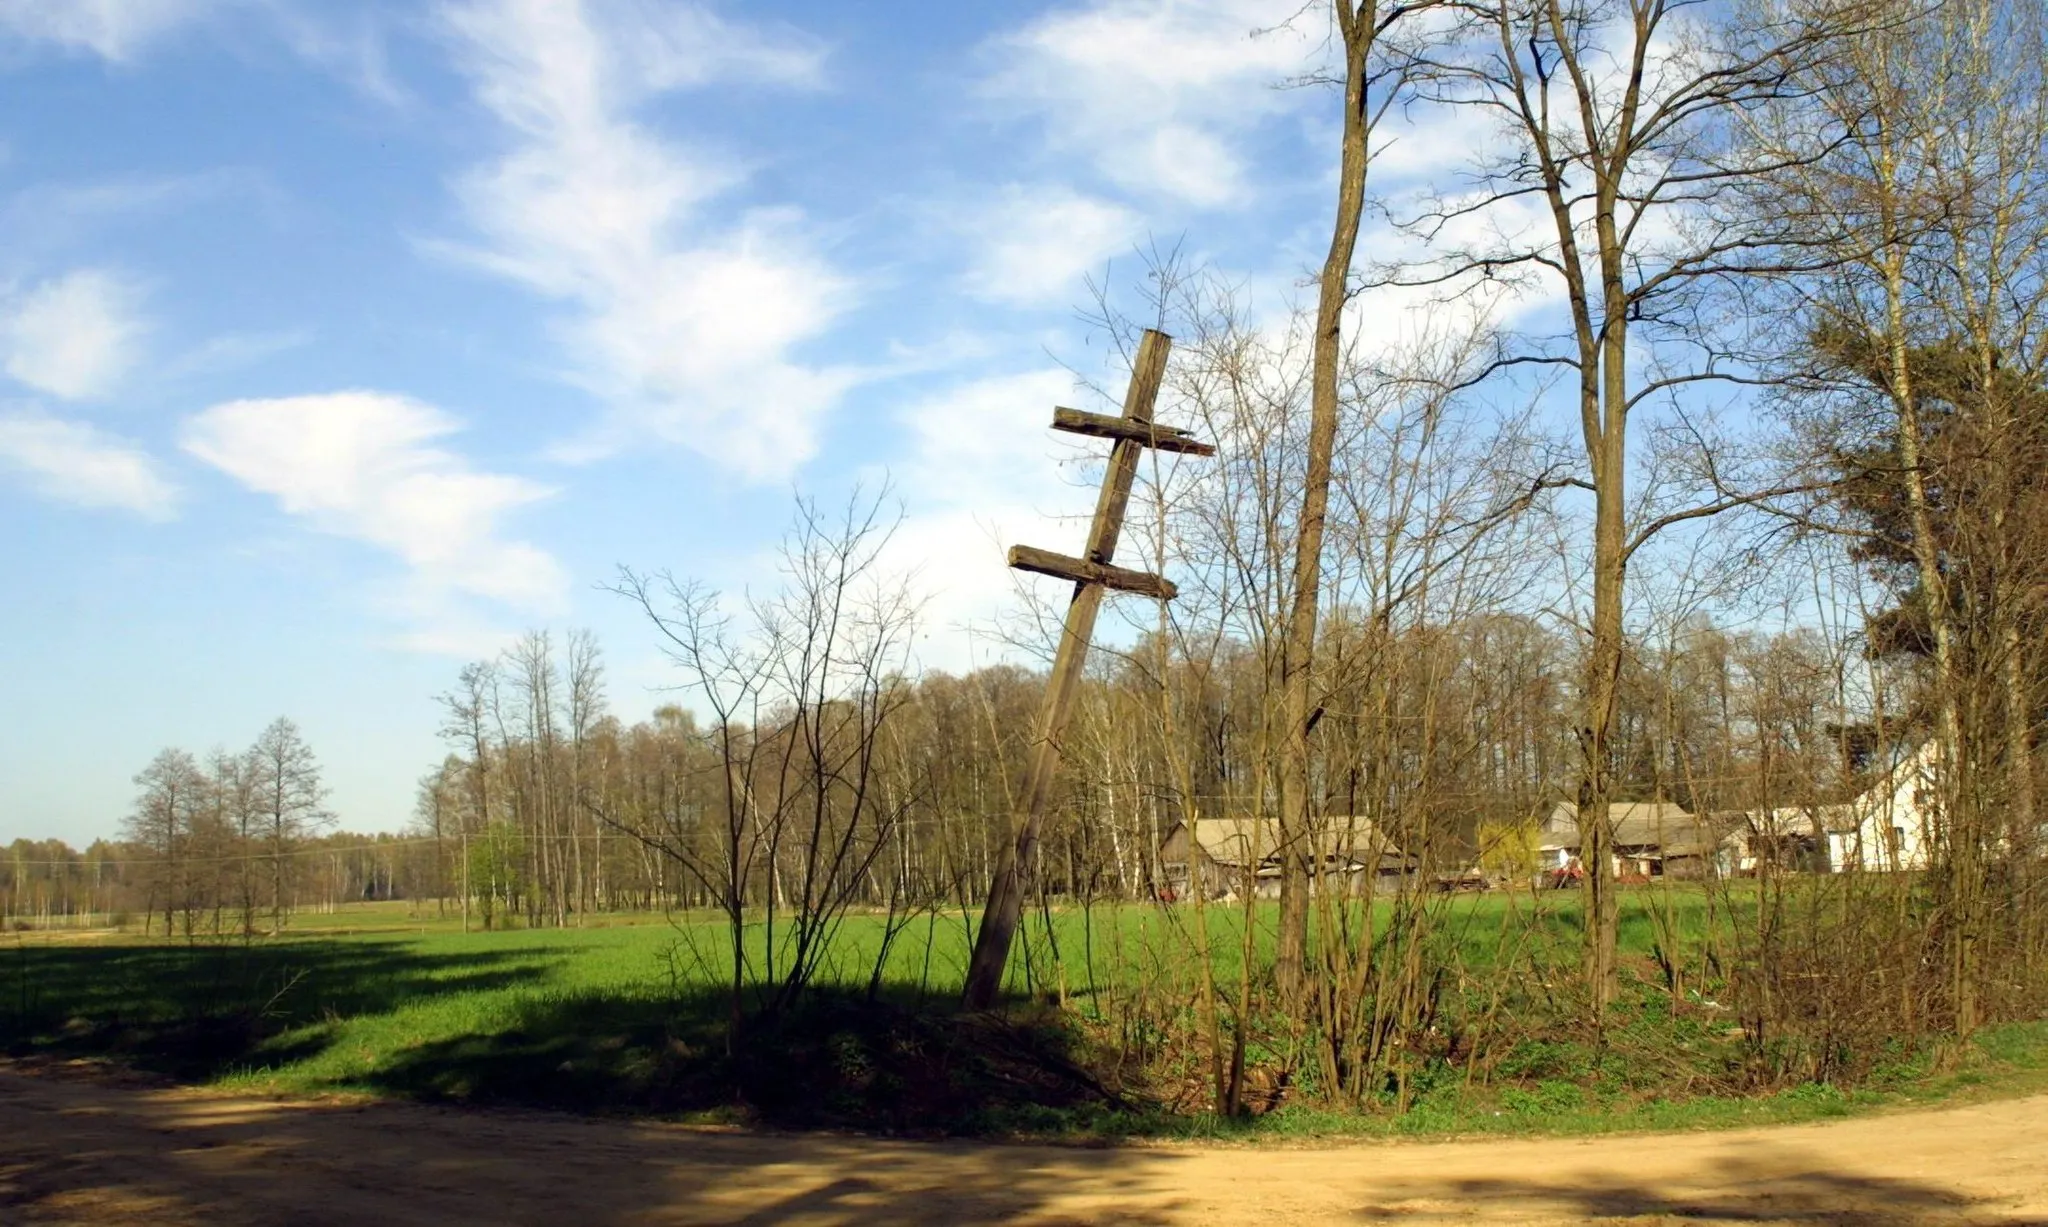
x,y
838,1060
320,1014
195,1012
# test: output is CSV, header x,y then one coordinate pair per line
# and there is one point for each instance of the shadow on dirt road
x,y
97,1150
92,1150
1757,1183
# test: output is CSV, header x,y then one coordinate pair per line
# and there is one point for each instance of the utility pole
x,y
1093,572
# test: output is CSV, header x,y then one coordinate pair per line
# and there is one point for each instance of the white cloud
x,y
349,42
973,443
1034,244
43,219
983,472
117,30
233,351
366,465
681,45
76,463
1162,95
688,331
75,336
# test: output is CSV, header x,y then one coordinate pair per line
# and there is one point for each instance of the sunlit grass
x,y
398,999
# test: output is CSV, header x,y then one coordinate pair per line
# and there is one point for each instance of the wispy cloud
x,y
347,41
117,30
981,472
370,466
73,462
43,220
74,336
1162,96
1033,244
689,329
233,351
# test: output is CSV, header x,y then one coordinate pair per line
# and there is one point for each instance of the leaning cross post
x,y
1093,572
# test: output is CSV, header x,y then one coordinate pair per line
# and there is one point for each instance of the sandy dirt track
x,y
95,1150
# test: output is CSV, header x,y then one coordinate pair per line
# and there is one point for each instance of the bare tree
x,y
467,714
1929,329
234,805
1618,127
1371,83
800,699
287,794
585,665
438,809
531,664
172,799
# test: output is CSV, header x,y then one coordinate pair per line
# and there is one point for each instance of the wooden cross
x,y
1093,572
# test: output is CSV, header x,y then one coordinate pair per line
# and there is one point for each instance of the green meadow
x,y
632,1014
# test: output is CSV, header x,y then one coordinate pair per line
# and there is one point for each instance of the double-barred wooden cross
x,y
1092,573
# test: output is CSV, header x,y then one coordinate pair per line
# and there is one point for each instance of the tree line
x,y
631,823
234,844
620,817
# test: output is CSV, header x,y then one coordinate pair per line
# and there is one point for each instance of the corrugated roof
x,y
1666,825
1234,841
1806,820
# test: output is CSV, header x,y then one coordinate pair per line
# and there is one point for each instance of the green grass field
x,y
628,1013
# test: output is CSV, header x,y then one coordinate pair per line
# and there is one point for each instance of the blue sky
x,y
341,341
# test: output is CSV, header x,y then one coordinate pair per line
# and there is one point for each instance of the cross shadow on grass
x,y
839,1059
890,1062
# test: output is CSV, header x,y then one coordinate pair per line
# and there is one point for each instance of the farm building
x,y
1792,837
1889,825
1651,839
1239,856
1892,824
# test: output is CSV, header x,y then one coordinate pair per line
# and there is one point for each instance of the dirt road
x,y
90,1150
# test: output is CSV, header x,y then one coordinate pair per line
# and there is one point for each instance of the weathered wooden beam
x,y
1005,905
1082,571
1103,426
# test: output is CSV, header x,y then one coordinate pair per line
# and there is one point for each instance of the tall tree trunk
x,y
1964,845
1599,698
1297,657
2019,747
1607,448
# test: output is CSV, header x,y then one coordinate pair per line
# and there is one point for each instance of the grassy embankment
x,y
628,1013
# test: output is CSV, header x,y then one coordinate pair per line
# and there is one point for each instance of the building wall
x,y
1895,821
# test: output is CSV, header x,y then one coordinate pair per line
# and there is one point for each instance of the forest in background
x,y
564,809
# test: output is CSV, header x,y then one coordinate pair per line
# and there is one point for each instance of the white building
x,y
1894,824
